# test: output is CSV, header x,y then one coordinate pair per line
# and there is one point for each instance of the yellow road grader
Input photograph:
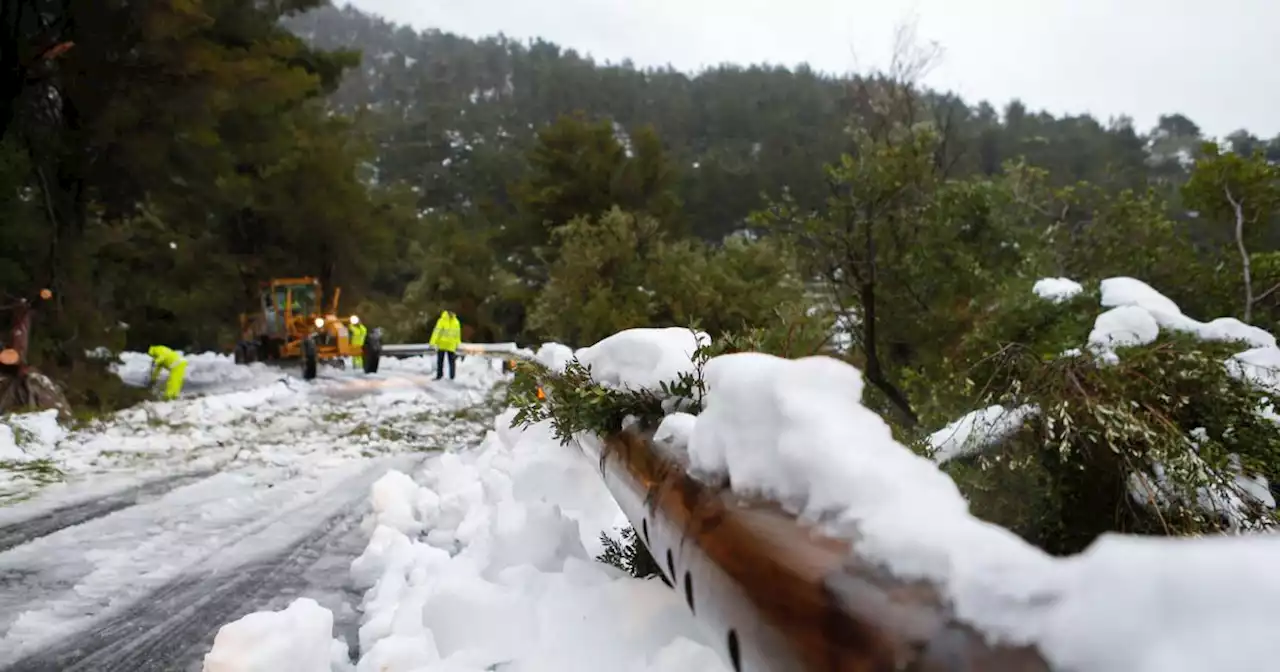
x,y
290,324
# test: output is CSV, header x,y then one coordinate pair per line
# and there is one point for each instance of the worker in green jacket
x,y
164,358
358,334
446,338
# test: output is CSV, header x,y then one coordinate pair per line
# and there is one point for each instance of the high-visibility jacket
x,y
163,358
358,333
447,335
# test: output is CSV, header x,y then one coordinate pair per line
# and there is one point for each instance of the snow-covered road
x,y
176,518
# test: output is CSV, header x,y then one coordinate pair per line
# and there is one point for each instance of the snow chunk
x,y
1057,290
298,638
1123,326
393,500
675,431
643,359
554,356
975,431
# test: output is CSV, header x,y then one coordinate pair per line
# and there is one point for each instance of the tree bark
x,y
875,372
1244,255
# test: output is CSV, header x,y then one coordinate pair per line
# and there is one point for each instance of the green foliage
x,y
1168,414
41,472
629,554
190,157
575,404
579,168
450,260
94,390
897,241
1222,177
623,271
1102,234
597,283
1240,197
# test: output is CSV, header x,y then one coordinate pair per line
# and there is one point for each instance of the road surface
x,y
140,577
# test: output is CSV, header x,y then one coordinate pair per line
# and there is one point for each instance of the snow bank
x,y
204,370
497,567
642,359
297,638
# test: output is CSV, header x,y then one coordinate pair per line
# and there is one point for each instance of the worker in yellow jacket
x,y
446,338
164,358
358,334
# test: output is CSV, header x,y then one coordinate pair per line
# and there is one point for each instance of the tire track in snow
x,y
172,627
44,524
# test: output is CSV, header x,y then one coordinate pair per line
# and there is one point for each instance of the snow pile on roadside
x,y
204,369
554,356
490,561
796,430
642,359
296,638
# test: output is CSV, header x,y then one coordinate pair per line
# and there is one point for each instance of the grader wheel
x,y
310,360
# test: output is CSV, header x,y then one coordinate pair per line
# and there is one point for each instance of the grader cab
x,y
290,323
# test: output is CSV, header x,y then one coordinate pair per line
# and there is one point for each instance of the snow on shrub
x,y
1155,412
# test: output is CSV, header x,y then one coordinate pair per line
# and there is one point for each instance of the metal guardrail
x,y
505,350
779,595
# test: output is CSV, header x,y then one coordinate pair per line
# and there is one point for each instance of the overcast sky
x,y
1216,61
